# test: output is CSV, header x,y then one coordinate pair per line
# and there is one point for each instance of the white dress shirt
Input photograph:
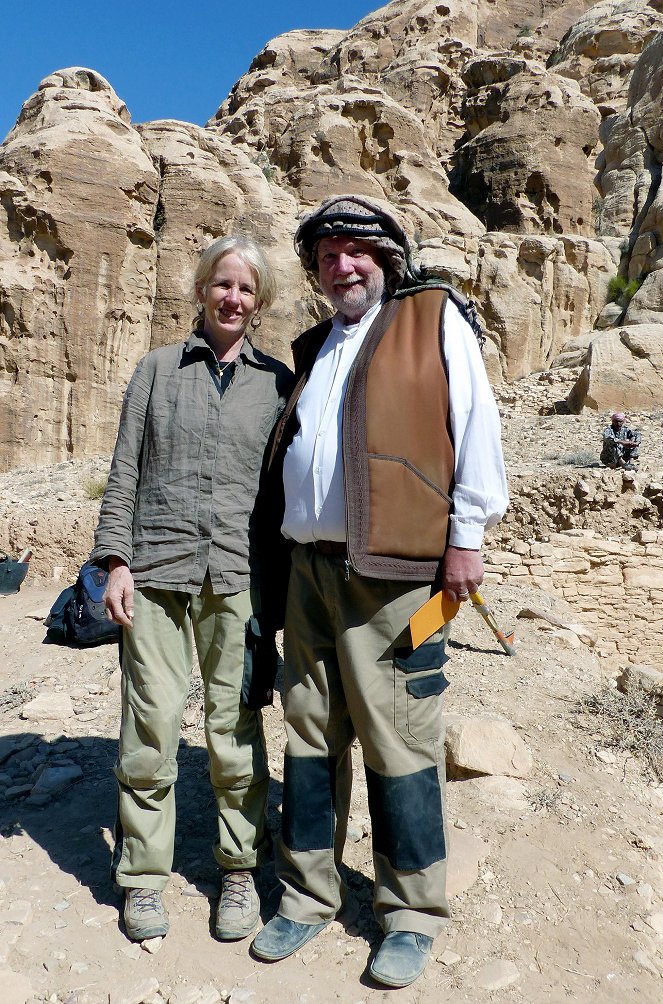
x,y
313,465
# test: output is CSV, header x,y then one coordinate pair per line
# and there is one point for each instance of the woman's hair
x,y
246,249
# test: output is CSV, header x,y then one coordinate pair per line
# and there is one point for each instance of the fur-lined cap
x,y
361,218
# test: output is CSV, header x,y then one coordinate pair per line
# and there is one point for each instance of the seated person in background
x,y
620,444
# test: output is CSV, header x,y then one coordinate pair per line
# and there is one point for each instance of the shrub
x,y
620,288
583,458
95,487
630,723
262,161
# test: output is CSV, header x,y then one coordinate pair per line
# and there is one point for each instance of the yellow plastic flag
x,y
431,617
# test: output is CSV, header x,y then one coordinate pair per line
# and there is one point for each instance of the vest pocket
x,y
418,685
397,489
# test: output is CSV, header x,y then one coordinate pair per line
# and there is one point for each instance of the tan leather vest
x,y
398,454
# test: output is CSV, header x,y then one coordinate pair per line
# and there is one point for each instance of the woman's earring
x,y
256,321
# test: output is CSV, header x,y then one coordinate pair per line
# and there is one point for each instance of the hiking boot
x,y
401,958
144,914
282,937
239,907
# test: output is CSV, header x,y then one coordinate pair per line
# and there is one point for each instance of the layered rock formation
x,y
78,272
630,182
522,146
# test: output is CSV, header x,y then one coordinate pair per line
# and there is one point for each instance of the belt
x,y
331,548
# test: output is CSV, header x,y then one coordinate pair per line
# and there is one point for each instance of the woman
x,y
177,534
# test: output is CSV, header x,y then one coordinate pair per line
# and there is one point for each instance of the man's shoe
x,y
401,958
282,937
239,907
144,914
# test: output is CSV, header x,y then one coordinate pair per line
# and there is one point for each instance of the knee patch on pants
x,y
146,768
309,800
406,817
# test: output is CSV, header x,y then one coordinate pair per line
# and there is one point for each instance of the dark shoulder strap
x,y
466,306
305,348
418,277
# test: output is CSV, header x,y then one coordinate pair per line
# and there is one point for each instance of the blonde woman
x,y
177,533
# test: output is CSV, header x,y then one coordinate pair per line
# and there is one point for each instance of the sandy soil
x,y
557,876
561,880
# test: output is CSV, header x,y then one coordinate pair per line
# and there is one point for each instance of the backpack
x,y
12,574
78,616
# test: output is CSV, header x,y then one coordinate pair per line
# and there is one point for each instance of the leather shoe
x,y
401,958
281,937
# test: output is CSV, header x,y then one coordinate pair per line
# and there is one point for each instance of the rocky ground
x,y
556,827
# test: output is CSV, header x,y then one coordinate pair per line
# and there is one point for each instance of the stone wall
x,y
615,586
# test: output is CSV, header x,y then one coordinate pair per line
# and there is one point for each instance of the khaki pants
x,y
350,671
156,670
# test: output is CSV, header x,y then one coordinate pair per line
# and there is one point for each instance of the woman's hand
x,y
462,572
119,595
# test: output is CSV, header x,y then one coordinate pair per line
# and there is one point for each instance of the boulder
x,y
624,370
48,707
642,677
485,746
54,780
586,635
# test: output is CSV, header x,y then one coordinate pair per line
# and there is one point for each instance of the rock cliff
x,y
522,146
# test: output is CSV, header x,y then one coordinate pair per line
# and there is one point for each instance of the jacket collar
x,y
196,346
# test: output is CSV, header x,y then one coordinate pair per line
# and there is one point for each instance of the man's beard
x,y
356,298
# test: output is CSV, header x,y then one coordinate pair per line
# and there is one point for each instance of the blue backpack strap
x,y
56,621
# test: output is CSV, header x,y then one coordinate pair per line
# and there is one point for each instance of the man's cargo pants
x,y
156,670
350,670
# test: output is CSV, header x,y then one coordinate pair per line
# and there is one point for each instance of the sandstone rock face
x,y
522,147
343,139
528,167
624,370
601,49
78,268
209,188
537,294
411,51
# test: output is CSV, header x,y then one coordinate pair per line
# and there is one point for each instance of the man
x,y
620,444
377,447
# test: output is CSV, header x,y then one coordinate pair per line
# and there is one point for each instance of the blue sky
x,y
165,60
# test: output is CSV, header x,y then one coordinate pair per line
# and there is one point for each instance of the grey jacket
x,y
181,492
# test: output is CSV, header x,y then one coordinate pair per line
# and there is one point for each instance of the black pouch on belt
x,y
261,662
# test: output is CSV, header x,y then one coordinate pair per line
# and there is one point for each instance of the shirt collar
x,y
350,330
197,343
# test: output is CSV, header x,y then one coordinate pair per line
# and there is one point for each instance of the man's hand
x,y
462,572
119,595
